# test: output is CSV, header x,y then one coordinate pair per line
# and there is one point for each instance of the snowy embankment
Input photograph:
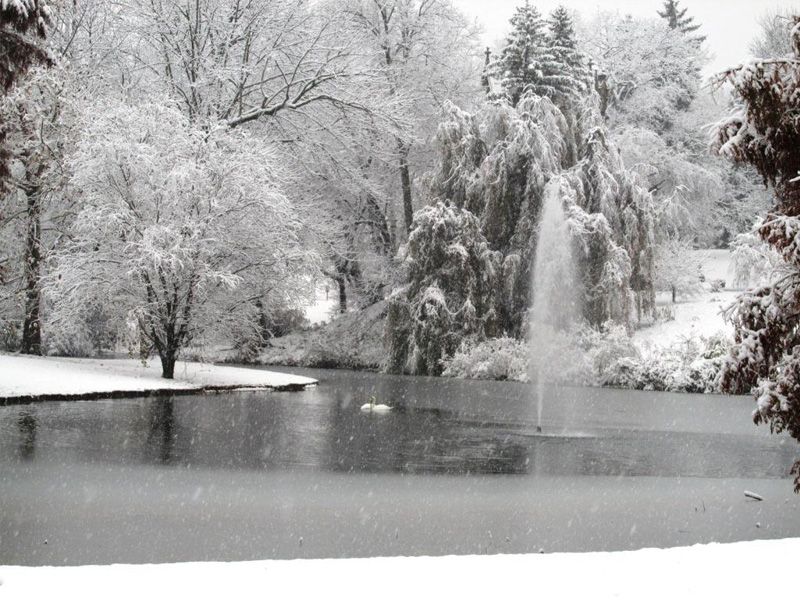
x,y
34,377
710,571
702,315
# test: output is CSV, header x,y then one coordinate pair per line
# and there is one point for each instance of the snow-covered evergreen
x,y
518,68
763,131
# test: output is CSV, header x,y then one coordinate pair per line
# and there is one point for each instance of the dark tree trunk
x,y
673,294
342,294
405,181
31,327
168,359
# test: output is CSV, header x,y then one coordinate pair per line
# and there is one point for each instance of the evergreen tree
x,y
677,19
565,74
518,67
23,24
763,132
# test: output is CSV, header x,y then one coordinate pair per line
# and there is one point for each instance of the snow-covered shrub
x,y
606,346
93,330
497,358
10,334
690,365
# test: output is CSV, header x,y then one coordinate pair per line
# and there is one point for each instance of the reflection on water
x,y
27,435
433,429
160,434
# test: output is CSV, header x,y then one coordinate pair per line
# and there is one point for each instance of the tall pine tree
x,y
565,73
519,66
677,19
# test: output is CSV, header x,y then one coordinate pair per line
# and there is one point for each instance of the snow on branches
x,y
182,229
763,132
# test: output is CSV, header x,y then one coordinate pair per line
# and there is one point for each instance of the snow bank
x,y
711,571
40,376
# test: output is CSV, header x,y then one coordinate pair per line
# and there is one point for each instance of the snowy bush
x,y
498,358
690,365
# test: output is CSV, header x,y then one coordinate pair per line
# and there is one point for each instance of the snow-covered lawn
x,y
40,376
702,572
699,316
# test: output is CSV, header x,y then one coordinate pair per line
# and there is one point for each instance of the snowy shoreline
x,y
701,571
32,378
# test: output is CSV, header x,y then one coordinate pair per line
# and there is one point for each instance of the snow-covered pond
x,y
456,467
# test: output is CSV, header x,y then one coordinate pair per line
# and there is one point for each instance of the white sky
x,y
729,25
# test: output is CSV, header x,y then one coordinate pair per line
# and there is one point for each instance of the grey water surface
x,y
455,467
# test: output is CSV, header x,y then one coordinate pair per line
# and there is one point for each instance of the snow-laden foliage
x,y
613,221
497,358
649,71
38,116
518,68
451,292
763,131
23,25
604,356
678,268
183,230
754,262
496,164
566,77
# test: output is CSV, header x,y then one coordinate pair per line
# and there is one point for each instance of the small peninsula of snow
x,y
34,376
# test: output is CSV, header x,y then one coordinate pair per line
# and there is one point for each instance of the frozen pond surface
x,y
455,468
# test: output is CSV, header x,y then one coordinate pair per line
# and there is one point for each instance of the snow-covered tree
x,y
677,18
613,219
36,114
427,52
23,27
754,262
451,294
519,65
773,38
565,72
763,132
678,268
182,229
651,71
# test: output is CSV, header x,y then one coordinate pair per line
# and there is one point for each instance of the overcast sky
x,y
728,24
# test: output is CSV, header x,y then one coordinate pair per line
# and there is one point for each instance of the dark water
x,y
437,426
456,467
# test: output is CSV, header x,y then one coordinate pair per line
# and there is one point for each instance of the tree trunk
x,y
168,364
31,327
342,294
405,181
673,294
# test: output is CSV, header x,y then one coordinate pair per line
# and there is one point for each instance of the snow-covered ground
x,y
702,572
42,376
325,301
699,316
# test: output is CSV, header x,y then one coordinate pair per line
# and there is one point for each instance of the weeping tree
x,y
451,292
763,132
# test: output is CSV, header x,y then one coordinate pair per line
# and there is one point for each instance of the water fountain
x,y
555,297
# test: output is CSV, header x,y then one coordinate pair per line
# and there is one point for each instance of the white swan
x,y
372,407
